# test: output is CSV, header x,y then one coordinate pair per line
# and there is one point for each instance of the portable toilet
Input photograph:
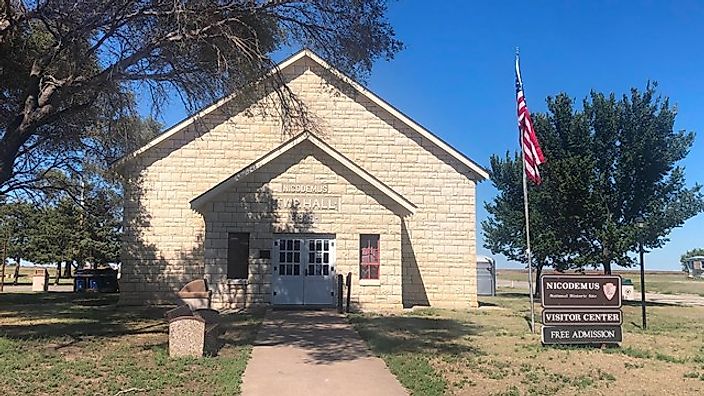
x,y
486,276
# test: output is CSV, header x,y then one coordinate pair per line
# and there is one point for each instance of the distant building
x,y
694,267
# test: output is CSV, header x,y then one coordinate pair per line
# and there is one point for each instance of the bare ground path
x,y
314,353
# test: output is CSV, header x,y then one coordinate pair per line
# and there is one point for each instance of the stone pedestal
x,y
40,280
186,336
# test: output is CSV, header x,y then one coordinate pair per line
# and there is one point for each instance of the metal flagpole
x,y
528,255
525,207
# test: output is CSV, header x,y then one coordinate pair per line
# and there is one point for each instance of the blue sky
x,y
456,77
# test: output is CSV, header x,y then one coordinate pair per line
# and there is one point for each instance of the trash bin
x,y
627,290
79,284
40,280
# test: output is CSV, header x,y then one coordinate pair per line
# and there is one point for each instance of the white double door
x,y
303,270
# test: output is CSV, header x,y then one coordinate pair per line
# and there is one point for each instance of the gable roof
x,y
463,159
224,185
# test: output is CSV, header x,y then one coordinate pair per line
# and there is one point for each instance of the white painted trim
x,y
481,172
205,197
370,282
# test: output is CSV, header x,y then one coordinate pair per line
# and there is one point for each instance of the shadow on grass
x,y
52,303
636,325
537,321
650,304
240,329
408,334
70,318
79,330
25,316
9,301
578,347
517,295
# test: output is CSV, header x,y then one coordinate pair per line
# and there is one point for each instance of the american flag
x,y
532,154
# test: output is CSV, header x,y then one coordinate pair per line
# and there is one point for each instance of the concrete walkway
x,y
314,353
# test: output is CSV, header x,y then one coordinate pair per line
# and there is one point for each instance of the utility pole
x,y
640,223
642,285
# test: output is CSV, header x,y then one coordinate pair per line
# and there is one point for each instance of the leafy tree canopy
x,y
61,229
611,181
692,253
16,221
69,69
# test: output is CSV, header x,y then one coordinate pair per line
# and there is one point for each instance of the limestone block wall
x,y
165,238
439,249
258,205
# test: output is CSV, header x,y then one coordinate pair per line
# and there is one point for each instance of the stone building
x,y
268,217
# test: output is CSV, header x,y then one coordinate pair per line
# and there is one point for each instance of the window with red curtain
x,y
369,256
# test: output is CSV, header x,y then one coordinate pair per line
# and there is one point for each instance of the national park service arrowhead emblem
x,y
609,290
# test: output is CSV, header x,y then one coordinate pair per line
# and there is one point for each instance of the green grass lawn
x,y
62,343
668,283
490,351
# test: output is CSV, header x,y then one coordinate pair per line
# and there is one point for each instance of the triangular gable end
x,y
224,185
481,173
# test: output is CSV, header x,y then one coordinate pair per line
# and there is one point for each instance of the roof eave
x,y
478,170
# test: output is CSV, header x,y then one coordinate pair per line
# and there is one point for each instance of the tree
x,y
98,227
690,253
69,69
504,228
78,221
105,231
16,227
608,165
53,240
77,232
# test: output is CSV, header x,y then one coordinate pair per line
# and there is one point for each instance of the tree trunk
x,y
2,276
4,261
67,269
607,268
10,144
7,161
58,273
538,272
17,271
